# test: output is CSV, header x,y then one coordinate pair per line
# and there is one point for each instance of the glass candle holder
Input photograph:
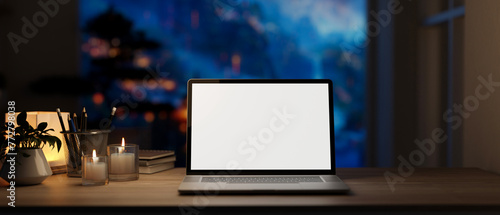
x,y
123,162
81,144
94,170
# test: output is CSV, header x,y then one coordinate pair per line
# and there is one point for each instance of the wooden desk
x,y
430,189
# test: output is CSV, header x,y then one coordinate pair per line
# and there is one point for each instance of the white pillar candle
x,y
96,171
122,163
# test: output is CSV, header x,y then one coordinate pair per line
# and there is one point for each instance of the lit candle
x,y
95,170
122,162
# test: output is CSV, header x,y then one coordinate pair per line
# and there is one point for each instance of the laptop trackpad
x,y
258,186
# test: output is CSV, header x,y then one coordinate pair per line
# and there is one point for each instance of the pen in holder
x,y
81,144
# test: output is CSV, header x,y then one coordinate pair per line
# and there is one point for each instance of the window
x,y
139,56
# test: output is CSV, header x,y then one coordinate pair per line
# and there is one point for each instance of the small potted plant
x,y
31,166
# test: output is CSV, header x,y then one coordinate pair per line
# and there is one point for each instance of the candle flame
x,y
95,159
123,141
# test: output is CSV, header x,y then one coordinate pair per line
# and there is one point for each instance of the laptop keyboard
x,y
262,179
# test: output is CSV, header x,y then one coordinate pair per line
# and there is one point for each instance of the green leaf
x,y
45,138
21,118
55,140
59,144
51,140
19,132
37,143
29,128
42,126
24,126
48,130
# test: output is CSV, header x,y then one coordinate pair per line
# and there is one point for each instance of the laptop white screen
x,y
248,126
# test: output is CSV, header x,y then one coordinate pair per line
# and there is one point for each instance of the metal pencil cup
x,y
81,144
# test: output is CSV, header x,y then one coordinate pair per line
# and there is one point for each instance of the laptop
x,y
260,136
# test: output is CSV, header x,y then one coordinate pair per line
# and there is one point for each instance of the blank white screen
x,y
260,127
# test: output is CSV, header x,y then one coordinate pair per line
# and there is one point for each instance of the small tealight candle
x,y
123,162
95,170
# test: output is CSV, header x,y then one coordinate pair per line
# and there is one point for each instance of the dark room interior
x,y
412,124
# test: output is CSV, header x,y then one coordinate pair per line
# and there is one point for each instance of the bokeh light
x,y
149,116
98,98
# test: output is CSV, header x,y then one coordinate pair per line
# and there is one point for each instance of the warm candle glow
x,y
94,157
120,149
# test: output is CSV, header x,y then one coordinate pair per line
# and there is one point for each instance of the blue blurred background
x,y
396,65
138,56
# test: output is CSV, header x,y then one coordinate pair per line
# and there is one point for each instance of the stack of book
x,y
153,161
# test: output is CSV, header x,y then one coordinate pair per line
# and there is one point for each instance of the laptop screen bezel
x,y
190,171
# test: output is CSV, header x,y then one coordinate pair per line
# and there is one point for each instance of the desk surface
x,y
467,188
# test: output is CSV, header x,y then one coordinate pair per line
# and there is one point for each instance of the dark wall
x,y
51,52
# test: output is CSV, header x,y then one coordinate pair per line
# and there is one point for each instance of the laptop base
x,y
193,185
